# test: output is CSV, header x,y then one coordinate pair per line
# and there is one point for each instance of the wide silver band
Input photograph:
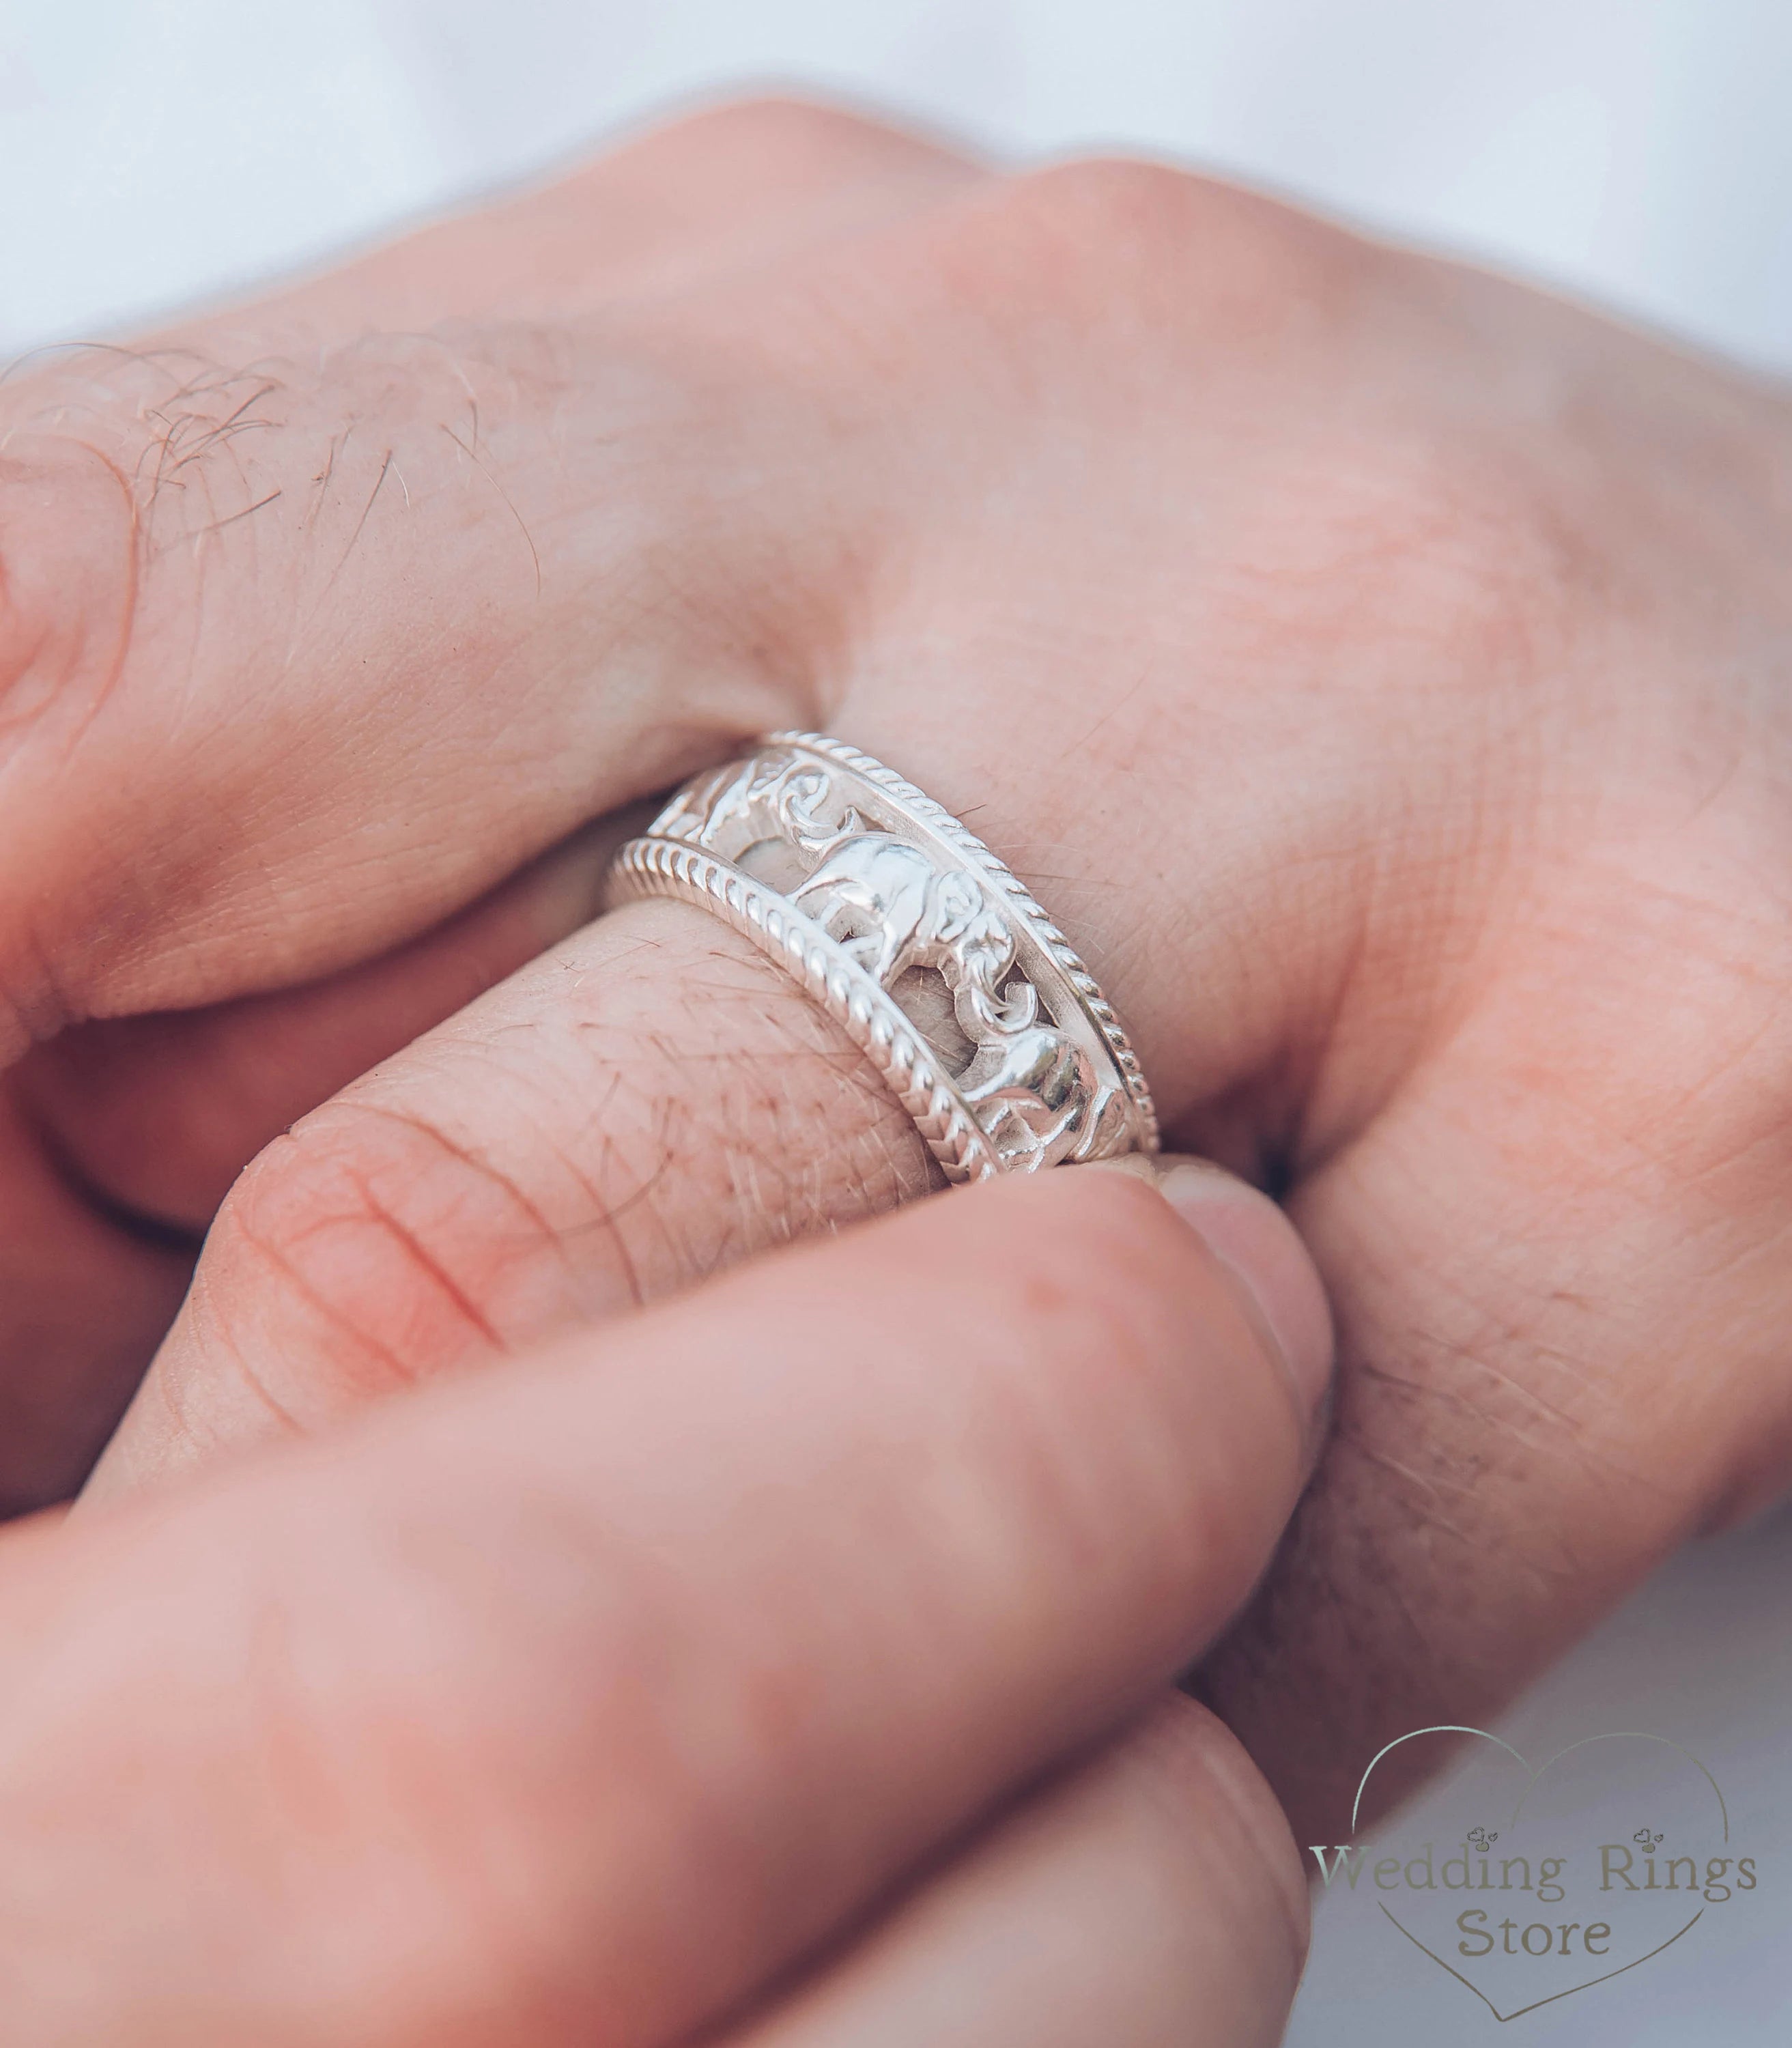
x,y
902,923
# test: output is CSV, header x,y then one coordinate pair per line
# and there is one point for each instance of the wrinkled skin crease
x,y
1380,670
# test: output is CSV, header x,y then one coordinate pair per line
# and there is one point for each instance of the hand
x,y
787,1664
1380,669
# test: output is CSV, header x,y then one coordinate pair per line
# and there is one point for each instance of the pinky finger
x,y
1149,1898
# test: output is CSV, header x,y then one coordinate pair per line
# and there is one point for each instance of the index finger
x,y
578,1700
406,573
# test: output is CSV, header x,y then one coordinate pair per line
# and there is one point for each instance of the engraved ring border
x,y
675,859
878,1026
1034,919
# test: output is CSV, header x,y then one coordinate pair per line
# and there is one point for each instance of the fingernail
x,y
1262,1253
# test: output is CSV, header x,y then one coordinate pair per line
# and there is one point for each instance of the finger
x,y
1300,915
398,1237
117,1140
582,1698
729,182
154,1116
129,1100
128,1131
480,581
645,1104
1151,1898
82,1304
1523,1435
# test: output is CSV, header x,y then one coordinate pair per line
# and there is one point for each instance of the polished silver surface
x,y
902,923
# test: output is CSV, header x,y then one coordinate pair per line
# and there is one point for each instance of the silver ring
x,y
896,918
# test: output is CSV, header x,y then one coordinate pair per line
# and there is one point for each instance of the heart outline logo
x,y
1615,1735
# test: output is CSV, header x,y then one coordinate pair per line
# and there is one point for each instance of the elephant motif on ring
x,y
1036,1095
776,795
891,908
1032,1088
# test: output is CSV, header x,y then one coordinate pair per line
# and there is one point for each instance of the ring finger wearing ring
x,y
974,1008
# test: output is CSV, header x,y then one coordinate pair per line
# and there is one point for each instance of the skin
x,y
1380,669
677,1682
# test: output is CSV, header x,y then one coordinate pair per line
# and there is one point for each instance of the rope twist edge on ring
x,y
905,1063
1021,899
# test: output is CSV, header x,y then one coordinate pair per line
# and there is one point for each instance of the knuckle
x,y
387,1232
68,570
1128,201
530,1170
69,589
348,1260
1130,238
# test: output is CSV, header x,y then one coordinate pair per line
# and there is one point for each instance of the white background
x,y
1639,151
